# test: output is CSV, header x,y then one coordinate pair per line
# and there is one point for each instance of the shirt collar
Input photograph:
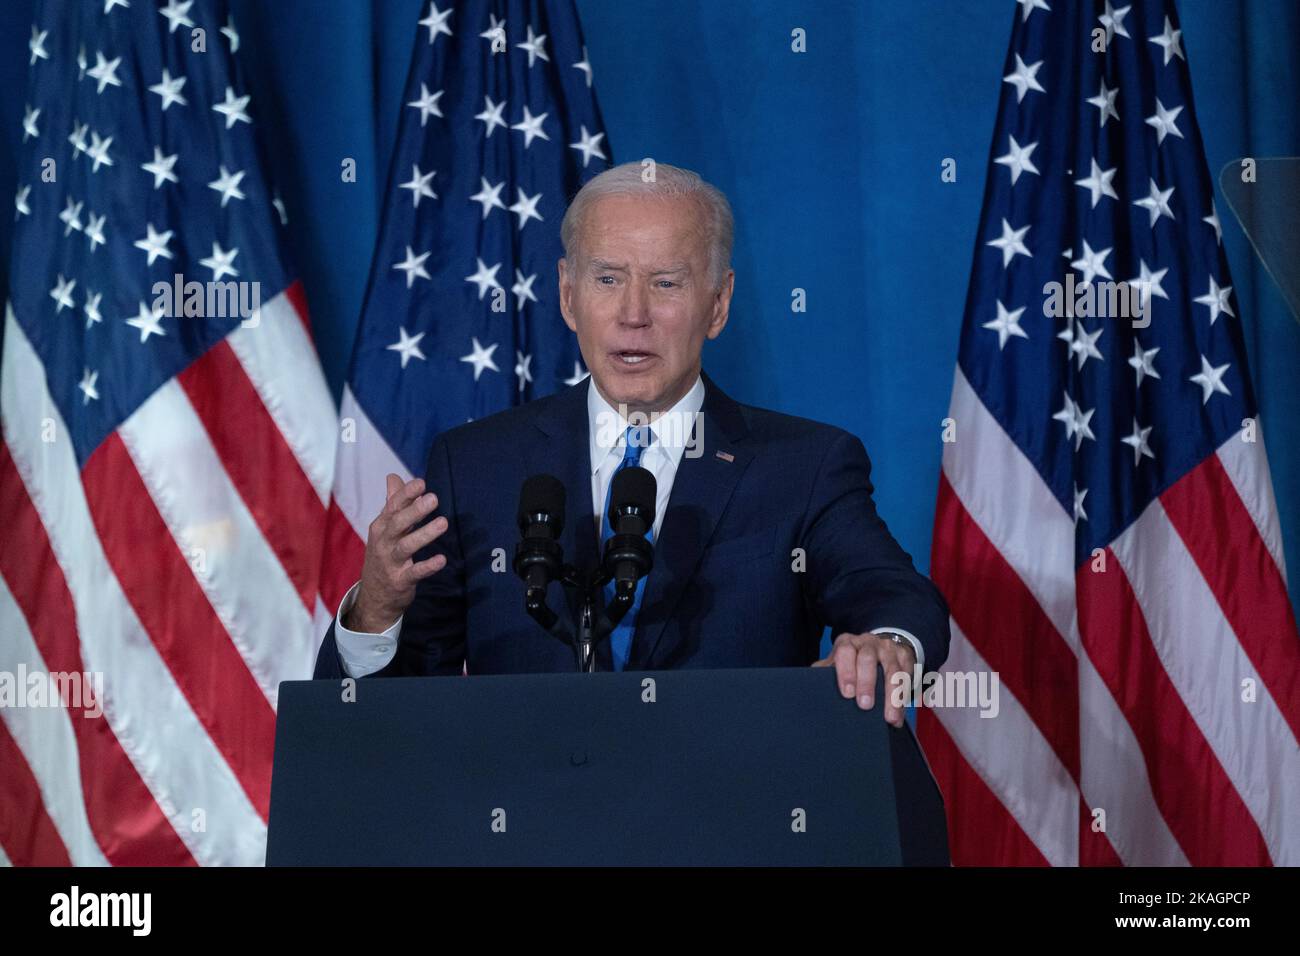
x,y
671,429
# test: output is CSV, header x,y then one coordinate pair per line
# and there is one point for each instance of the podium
x,y
693,767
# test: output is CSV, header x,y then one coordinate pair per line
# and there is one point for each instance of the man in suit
x,y
764,533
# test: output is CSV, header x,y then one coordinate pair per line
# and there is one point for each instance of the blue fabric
x,y
635,441
831,159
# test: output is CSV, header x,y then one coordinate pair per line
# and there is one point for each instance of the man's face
x,y
638,294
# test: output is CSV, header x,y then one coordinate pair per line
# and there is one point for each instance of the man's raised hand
x,y
390,573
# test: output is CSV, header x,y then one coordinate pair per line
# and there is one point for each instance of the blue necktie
x,y
637,439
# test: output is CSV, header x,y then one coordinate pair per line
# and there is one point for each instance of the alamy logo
x,y
75,908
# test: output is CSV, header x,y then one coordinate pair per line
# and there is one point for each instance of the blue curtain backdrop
x,y
831,159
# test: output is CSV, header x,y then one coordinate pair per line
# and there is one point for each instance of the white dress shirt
x,y
363,654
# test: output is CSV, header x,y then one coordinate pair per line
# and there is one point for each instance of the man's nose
x,y
636,306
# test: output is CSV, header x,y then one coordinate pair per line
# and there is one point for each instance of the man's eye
x,y
666,283
605,280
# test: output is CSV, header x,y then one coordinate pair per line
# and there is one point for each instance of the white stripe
x,y
1247,465
1004,495
359,486
4,858
147,711
1012,757
252,594
46,738
1206,665
280,360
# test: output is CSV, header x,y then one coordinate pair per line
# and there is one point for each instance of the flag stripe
x,y
28,837
346,553
364,459
127,824
241,576
1246,465
1211,823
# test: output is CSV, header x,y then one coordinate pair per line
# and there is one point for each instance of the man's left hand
x,y
855,656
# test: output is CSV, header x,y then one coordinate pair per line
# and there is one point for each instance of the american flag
x,y
164,474
499,130
1105,532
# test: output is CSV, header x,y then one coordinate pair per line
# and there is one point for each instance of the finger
x,y
866,676
417,539
412,513
404,495
893,712
419,570
394,485
843,655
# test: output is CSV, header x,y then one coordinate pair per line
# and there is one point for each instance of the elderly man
x,y
765,530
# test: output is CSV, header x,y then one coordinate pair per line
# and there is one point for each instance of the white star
x,y
427,104
98,151
1105,103
481,358
413,266
175,12
1138,442
531,127
89,378
436,21
1079,513
278,203
526,208
1017,159
1149,283
155,243
585,66
220,262
589,146
419,185
1076,422
1157,203
30,116
1011,243
71,216
78,138
109,4
62,294
1210,379
1092,264
20,202
484,278
1165,122
577,376
407,346
1170,42
91,308
489,196
1213,220
1084,345
37,45
228,31
95,230
522,362
232,108
161,168
81,63
1217,300
105,71
536,47
1024,78
228,185
169,89
1143,362
1029,6
1067,333
1113,21
148,322
495,31
1006,324
491,115
1098,183
523,289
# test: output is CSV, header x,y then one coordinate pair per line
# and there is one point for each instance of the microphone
x,y
628,555
538,555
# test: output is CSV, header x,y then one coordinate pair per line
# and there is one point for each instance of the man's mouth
x,y
632,357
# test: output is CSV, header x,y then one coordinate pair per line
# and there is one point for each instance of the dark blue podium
x,y
723,767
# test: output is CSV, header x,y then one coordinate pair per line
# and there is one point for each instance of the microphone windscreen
x,y
633,486
542,494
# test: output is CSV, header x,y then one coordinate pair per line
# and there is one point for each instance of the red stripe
x,y
1005,623
981,831
128,824
261,465
297,297
1196,797
345,552
179,620
27,833
1209,516
1094,845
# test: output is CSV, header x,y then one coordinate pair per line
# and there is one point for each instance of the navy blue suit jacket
x,y
727,588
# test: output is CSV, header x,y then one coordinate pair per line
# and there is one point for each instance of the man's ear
x,y
722,305
566,294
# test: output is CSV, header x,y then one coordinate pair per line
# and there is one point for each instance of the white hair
x,y
668,182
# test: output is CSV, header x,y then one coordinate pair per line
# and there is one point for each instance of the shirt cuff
x,y
911,639
363,653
